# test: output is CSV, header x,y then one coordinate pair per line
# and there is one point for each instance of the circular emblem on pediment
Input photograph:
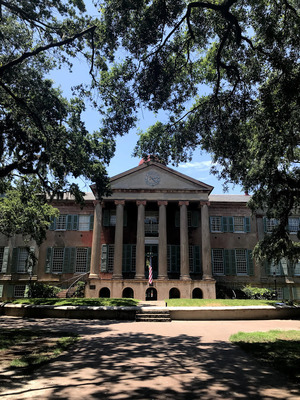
x,y
152,178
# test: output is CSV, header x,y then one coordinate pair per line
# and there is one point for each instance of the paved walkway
x,y
135,360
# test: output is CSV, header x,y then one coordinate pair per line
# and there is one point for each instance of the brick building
x,y
196,242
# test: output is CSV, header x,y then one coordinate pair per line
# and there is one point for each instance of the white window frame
x,y
220,270
61,223
216,224
19,291
83,222
151,227
58,260
22,260
81,260
239,224
293,225
271,224
241,262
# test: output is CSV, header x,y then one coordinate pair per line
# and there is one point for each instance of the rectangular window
x,y
1,257
110,261
84,223
294,225
19,290
81,260
151,223
279,291
58,260
238,224
61,223
241,262
22,260
270,224
216,224
218,261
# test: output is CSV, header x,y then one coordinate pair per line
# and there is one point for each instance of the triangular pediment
x,y
152,175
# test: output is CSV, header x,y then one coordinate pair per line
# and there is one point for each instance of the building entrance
x,y
151,249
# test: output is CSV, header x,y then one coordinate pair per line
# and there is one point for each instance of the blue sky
x,y
198,168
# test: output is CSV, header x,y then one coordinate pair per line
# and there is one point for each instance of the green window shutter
x,y
174,258
210,218
247,224
230,224
48,264
15,258
232,262
72,262
104,258
197,259
265,224
91,222
224,224
227,262
75,222
66,260
286,293
88,259
169,257
1,290
250,263
69,222
106,217
195,218
5,260
52,225
177,219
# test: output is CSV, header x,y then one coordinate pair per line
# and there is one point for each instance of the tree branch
x,y
44,48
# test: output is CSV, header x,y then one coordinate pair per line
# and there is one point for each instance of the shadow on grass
x,y
283,355
108,364
80,302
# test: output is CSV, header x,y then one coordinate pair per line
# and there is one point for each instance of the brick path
x,y
128,360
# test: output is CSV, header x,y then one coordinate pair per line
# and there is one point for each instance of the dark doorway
x,y
197,294
153,250
174,293
104,292
151,294
128,293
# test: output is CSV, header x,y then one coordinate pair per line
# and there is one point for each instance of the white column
x,y
118,252
206,246
140,241
184,242
162,240
96,242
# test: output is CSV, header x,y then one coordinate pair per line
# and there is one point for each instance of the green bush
x,y
41,290
258,293
79,292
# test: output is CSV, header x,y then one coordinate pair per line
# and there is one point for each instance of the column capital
x,y
162,203
141,202
117,202
183,203
204,203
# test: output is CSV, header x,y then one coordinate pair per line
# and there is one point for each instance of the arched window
x,y
104,292
128,293
151,294
197,294
174,293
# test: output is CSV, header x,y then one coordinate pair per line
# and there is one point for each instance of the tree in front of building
x,y
227,75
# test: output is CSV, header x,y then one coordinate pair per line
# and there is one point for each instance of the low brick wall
x,y
128,313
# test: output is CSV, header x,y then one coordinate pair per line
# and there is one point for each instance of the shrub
x,y
41,290
79,292
258,293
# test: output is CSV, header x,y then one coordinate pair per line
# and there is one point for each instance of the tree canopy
x,y
227,75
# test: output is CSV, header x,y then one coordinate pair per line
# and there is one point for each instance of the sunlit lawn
x,y
218,302
79,302
277,349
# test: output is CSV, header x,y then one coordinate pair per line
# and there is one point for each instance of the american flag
x,y
150,272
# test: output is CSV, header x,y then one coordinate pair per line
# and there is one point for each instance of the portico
x,y
155,208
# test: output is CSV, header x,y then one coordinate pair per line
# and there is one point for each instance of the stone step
x,y
153,316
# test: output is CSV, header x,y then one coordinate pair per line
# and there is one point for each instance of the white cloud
x,y
199,165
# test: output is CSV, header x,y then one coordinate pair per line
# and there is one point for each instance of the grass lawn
x,y
218,302
277,349
28,349
79,302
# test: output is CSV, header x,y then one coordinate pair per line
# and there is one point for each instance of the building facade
x,y
194,241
